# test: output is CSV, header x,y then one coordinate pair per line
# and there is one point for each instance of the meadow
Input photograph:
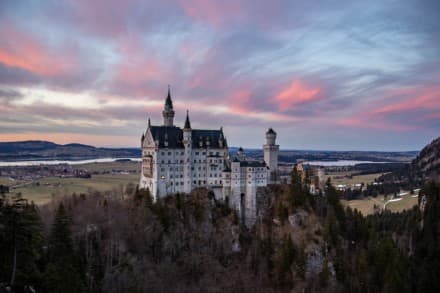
x,y
113,176
350,177
367,205
43,190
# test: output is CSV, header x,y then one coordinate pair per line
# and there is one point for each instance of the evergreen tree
x,y
297,195
63,272
20,242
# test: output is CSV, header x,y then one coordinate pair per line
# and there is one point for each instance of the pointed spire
x,y
168,112
149,122
187,123
168,101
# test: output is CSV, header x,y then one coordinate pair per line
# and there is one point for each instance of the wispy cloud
x,y
317,71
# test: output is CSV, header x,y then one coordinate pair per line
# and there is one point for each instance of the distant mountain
x,y
428,161
45,150
293,156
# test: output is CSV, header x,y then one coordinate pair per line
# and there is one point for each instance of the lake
x,y
340,163
69,162
108,160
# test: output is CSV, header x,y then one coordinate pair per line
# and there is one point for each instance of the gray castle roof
x,y
252,164
168,101
174,136
204,135
271,131
187,123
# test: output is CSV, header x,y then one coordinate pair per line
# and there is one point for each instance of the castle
x,y
179,160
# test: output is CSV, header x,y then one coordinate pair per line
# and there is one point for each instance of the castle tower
x,y
271,155
168,112
187,142
240,154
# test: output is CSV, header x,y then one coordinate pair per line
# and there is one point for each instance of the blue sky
x,y
338,75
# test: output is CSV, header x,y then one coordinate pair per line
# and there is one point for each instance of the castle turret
x,y
187,142
271,150
168,112
240,154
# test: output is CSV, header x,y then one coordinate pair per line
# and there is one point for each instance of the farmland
x,y
113,176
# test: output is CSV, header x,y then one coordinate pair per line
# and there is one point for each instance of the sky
x,y
326,75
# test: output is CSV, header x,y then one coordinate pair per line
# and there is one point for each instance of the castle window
x,y
195,182
169,161
203,153
169,153
162,161
162,153
197,153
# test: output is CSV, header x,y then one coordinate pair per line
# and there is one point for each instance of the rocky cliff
x,y
428,161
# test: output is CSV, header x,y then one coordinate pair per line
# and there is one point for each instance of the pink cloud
x,y
23,50
215,13
415,99
405,109
138,68
296,93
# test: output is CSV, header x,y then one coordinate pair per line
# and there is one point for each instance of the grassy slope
x,y
54,186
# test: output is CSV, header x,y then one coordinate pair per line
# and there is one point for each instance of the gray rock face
x,y
314,262
298,219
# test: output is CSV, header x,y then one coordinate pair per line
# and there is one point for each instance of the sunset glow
x,y
324,75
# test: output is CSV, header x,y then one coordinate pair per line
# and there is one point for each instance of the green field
x,y
406,203
366,205
355,179
112,166
41,191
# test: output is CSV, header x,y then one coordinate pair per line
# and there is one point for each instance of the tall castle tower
x,y
187,143
168,112
271,155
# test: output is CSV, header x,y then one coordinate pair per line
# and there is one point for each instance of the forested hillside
x,y
190,243
45,150
428,161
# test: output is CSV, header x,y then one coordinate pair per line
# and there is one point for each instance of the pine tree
x,y
63,273
297,194
21,242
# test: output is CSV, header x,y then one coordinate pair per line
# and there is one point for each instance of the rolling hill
x,y
45,150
